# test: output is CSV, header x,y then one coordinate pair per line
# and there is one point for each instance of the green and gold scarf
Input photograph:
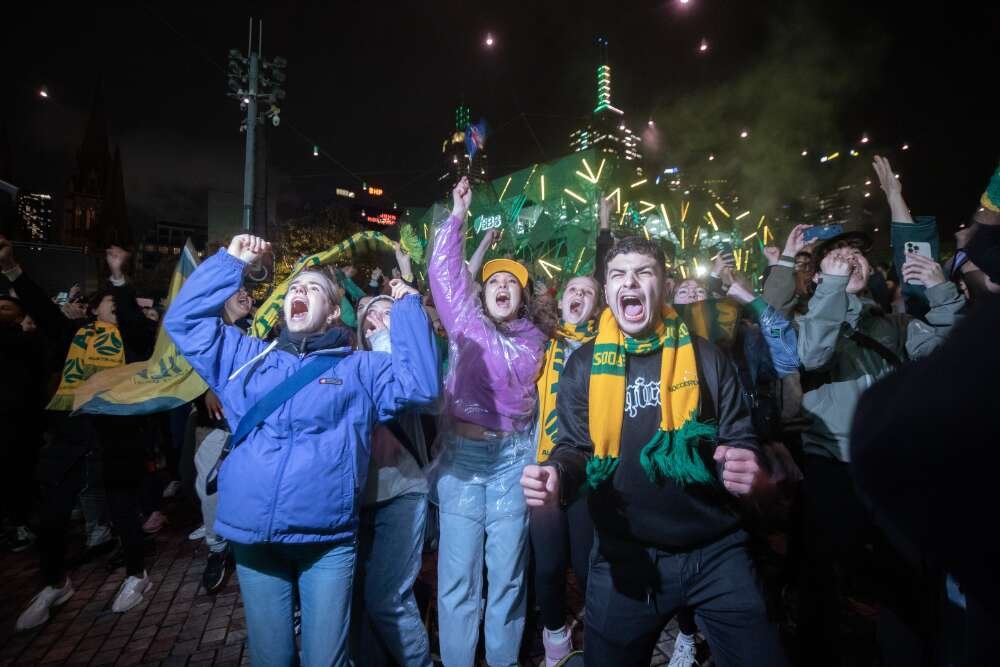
x,y
673,450
548,382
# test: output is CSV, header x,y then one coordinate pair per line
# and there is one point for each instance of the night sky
x,y
376,85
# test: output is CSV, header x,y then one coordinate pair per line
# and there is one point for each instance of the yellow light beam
x,y
545,269
761,221
509,178
624,211
638,183
742,215
684,273
589,170
554,267
600,168
724,211
666,219
684,210
543,186
711,219
747,238
767,232
683,234
645,231
575,196
649,207
694,237
579,259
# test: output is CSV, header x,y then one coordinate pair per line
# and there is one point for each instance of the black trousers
x,y
18,453
62,471
634,591
559,537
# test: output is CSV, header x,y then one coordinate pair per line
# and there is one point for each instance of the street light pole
x,y
252,80
248,161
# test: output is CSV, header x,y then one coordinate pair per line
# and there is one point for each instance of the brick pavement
x,y
177,624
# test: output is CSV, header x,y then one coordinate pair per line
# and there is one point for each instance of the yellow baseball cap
x,y
510,266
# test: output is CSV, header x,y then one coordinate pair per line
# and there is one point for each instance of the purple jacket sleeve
x,y
193,321
451,285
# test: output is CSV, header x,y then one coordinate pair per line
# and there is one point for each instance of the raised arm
x,y
779,288
604,240
479,257
893,190
410,376
452,286
819,329
193,320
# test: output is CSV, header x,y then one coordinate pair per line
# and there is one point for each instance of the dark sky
x,y
375,85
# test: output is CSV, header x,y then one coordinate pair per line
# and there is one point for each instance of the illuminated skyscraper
x,y
607,130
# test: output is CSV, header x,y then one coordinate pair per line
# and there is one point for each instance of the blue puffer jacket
x,y
298,477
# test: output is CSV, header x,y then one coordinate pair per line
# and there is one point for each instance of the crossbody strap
x,y
263,408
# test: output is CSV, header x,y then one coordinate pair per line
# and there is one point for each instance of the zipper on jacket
x,y
281,469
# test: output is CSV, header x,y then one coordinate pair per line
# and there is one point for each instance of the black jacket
x,y
922,454
631,508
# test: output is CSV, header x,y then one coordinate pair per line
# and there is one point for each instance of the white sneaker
x,y
130,593
684,654
172,489
197,534
37,612
557,645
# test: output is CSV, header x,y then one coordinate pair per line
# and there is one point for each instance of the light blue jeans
x,y
482,514
269,575
391,548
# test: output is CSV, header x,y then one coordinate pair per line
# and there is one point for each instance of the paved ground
x,y
177,624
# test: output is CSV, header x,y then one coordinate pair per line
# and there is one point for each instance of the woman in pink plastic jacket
x,y
496,354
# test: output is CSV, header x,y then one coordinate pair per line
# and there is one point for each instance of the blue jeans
x,y
481,503
391,548
269,575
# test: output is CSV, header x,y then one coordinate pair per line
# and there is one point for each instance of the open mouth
x,y
503,300
632,308
300,309
576,307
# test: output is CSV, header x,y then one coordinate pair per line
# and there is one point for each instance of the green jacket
x,y
838,369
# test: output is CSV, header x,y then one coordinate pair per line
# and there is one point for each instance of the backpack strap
x,y
263,409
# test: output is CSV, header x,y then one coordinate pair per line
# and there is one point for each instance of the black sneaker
x,y
217,570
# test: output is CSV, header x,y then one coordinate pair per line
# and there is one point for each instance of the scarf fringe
x,y
674,455
600,469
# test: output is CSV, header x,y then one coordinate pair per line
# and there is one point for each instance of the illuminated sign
x,y
341,192
484,222
385,219
375,192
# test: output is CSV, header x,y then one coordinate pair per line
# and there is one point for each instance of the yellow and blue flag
x,y
163,382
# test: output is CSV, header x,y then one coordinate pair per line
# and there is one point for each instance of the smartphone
x,y
822,232
921,248
62,298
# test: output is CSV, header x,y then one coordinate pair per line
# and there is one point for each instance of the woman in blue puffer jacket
x,y
288,494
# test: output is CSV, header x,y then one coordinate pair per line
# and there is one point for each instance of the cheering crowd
x,y
750,462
